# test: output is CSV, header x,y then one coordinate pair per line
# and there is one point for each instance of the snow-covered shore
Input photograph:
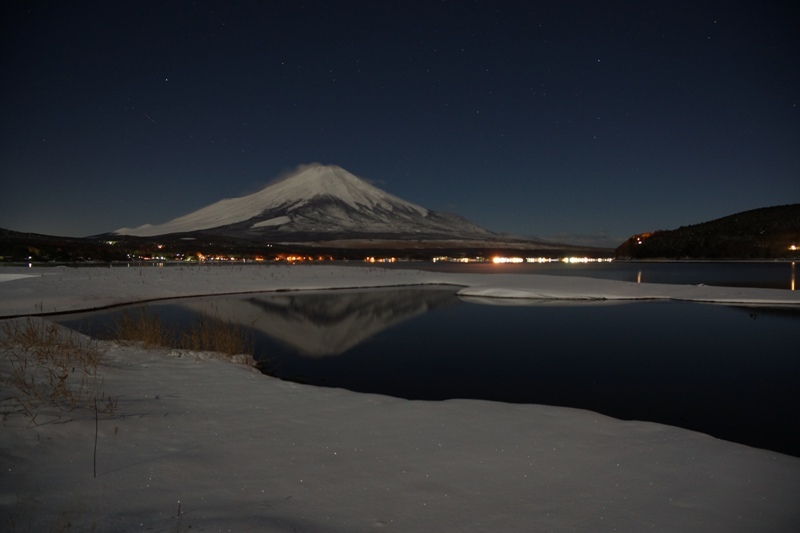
x,y
198,442
64,289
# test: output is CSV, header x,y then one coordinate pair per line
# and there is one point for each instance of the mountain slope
x,y
765,233
318,202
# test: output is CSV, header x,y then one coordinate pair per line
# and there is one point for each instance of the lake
x,y
759,274
731,372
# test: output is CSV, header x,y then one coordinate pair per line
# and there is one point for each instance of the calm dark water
x,y
774,275
731,372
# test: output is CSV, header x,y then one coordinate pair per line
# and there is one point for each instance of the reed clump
x,y
139,325
51,365
208,333
211,333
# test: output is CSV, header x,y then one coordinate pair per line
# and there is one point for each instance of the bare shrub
x,y
139,325
209,333
50,365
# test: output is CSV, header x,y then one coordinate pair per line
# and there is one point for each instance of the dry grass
x,y
140,326
51,365
209,333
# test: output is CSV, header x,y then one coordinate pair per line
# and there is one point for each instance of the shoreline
x,y
198,441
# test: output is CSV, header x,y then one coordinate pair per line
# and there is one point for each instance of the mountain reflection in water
x,y
325,323
731,372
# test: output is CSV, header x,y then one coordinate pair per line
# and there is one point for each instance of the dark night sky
x,y
575,121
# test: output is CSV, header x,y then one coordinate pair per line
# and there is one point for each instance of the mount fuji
x,y
320,204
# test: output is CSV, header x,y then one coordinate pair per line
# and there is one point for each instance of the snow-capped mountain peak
x,y
317,203
320,181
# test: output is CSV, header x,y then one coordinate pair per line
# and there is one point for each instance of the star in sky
x,y
544,119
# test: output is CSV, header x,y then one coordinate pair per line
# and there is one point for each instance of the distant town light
x,y
587,259
501,259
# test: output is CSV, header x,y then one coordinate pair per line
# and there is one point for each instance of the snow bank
x,y
11,277
523,286
63,289
232,450
203,444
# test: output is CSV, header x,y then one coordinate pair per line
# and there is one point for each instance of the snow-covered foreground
x,y
199,443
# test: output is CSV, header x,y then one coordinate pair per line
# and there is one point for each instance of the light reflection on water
x,y
772,275
731,372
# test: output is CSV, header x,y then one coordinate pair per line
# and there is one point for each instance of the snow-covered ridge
x,y
277,221
306,184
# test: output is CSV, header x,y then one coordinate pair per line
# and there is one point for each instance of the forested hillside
x,y
766,233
